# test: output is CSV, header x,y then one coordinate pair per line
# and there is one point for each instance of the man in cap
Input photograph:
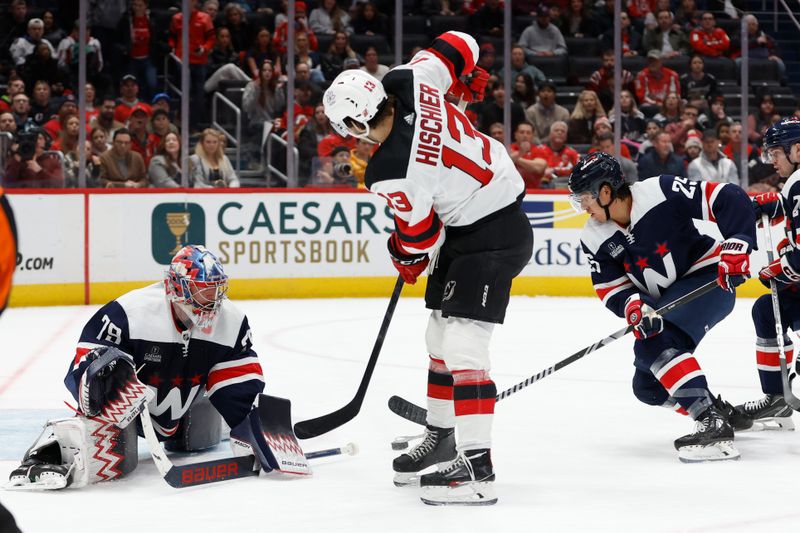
x,y
712,165
543,38
24,46
655,82
129,98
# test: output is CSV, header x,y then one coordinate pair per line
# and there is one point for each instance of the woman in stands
x,y
581,122
308,138
261,51
165,167
671,110
209,165
715,115
368,21
98,145
304,54
241,34
524,91
576,21
333,61
329,18
223,52
263,97
67,144
630,119
697,85
758,123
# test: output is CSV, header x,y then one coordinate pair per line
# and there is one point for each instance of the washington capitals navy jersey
x,y
791,204
662,244
178,366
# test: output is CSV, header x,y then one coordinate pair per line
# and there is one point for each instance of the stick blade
x,y
308,429
408,410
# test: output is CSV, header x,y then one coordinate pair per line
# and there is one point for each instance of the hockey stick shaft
x,y
325,423
417,414
348,449
788,396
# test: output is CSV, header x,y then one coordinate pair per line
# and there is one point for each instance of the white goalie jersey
x,y
435,170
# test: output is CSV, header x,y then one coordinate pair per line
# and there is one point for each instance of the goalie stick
x,y
788,396
417,414
325,423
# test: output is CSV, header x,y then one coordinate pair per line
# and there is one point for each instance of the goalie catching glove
x,y
410,266
644,319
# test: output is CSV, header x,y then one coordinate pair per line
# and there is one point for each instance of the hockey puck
x,y
399,445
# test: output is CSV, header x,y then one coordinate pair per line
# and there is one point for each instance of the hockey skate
x,y
712,439
468,480
41,469
437,446
769,412
737,418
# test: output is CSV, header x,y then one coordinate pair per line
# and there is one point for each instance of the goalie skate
x,y
468,480
769,413
438,446
712,440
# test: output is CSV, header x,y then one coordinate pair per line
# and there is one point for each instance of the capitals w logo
x,y
655,281
172,402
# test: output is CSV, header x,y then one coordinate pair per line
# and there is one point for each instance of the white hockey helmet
x,y
354,98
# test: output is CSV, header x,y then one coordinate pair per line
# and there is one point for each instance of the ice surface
x,y
573,452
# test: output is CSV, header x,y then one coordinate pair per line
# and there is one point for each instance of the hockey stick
x,y
788,396
350,448
325,423
417,414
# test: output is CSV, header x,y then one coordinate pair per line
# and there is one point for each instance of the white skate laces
x,y
425,447
754,405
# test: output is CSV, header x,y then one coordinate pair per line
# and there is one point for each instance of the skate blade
x,y
718,451
776,423
47,483
406,479
474,493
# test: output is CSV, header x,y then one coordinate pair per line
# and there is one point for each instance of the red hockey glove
x,y
734,264
410,266
644,319
770,204
473,88
781,271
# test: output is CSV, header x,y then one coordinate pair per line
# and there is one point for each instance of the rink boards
x,y
90,246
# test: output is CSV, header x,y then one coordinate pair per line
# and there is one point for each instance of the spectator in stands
x,y
759,122
332,63
336,171
303,74
581,122
53,127
16,85
368,21
223,52
492,111
137,127
546,111
761,46
446,8
209,165
526,155
21,107
104,18
651,129
159,127
308,138
723,130
371,65
576,21
524,91
121,167
603,18
165,167
639,9
67,144
630,119
7,122
105,118
692,148
680,129
201,41
301,24
602,80
128,98
666,37
41,65
31,165
655,82
52,32
241,33
304,55
13,25
359,159
488,20
329,18
90,95
661,159
671,110
602,127
543,38
97,146
486,57
715,113
604,142
24,46
712,165
687,16
263,98
260,52
708,40
211,7
520,66
697,85
631,38
497,132
560,157
139,45
42,106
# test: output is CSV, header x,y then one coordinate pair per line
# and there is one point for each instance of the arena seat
x,y
582,67
721,68
583,46
360,43
762,70
634,64
410,40
259,20
414,24
678,64
554,67
518,24
440,24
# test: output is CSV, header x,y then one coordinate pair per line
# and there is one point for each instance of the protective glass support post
x,y
744,112
617,127
291,170
398,32
507,87
185,93
82,14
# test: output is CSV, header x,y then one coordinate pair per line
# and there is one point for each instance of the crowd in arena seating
x,y
679,71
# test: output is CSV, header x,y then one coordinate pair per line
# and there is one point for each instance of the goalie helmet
x,y
352,100
783,134
195,281
590,174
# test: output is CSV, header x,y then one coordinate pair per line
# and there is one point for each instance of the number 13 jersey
x,y
435,170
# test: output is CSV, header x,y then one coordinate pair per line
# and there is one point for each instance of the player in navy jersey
x,y
456,198
644,252
782,149
179,345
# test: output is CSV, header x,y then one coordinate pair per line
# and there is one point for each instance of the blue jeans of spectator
x,y
197,95
145,73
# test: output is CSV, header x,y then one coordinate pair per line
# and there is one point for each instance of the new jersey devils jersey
x,y
178,365
435,169
662,244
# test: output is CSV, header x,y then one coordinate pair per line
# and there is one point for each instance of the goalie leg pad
x,y
201,428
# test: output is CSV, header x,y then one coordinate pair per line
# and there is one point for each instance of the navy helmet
x,y
784,133
591,173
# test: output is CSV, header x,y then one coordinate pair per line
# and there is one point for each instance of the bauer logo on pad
x,y
175,225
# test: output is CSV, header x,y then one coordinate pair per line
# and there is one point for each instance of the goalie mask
x,y
352,100
196,282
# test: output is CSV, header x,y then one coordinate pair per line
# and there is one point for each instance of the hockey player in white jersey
x,y
456,198
179,345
